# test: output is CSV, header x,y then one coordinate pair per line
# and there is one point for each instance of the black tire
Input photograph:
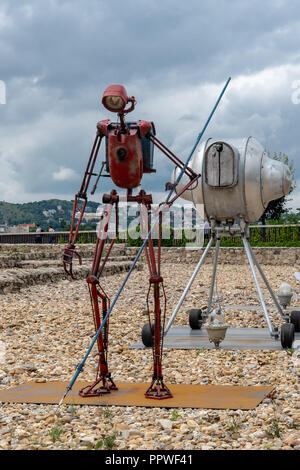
x,y
287,335
295,320
195,318
147,335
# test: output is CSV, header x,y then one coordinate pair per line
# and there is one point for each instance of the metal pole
x,y
267,284
213,277
198,139
248,252
192,278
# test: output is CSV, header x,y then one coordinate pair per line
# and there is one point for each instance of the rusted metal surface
x,y
183,337
184,396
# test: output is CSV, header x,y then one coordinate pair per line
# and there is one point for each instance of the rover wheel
x,y
147,334
287,335
295,320
195,318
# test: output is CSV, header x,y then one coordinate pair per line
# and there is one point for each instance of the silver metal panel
x,y
255,307
223,203
276,180
259,180
182,337
221,165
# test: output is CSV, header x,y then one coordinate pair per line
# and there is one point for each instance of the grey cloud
x,y
58,56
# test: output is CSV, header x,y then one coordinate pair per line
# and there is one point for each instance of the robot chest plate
x,y
125,159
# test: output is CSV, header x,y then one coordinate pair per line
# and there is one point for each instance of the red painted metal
x,y
125,159
126,170
103,126
144,128
189,172
157,390
119,92
104,382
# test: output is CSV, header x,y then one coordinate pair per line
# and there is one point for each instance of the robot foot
x,y
158,390
107,385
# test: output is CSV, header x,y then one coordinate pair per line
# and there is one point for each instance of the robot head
x,y
129,151
115,99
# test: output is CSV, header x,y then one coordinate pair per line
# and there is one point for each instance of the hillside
x,y
55,212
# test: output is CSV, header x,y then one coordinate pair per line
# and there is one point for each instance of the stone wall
x,y
25,265
228,255
232,255
12,256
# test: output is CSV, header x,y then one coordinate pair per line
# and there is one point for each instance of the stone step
x,y
11,260
16,279
51,250
34,263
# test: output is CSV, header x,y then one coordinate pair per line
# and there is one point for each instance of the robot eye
x,y
114,103
115,98
121,153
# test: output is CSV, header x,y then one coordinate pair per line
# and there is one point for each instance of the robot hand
x,y
68,259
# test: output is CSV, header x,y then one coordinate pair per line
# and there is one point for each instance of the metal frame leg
x,y
157,389
187,288
213,277
267,284
249,255
104,382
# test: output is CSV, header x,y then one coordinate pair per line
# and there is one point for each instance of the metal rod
x,y
101,238
199,138
261,298
267,284
83,184
213,277
187,288
171,156
98,177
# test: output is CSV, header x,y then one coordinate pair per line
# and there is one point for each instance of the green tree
x,y
63,225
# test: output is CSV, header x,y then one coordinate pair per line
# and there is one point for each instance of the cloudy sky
x,y
57,57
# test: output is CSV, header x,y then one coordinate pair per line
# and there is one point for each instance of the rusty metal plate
x,y
184,396
183,337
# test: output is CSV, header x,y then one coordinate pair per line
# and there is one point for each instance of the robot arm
x,y
80,196
129,154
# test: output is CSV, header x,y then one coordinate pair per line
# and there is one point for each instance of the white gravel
x,y
47,330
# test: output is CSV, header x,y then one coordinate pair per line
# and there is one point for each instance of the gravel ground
x,y
47,330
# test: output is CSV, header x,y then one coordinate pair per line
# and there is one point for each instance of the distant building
x,y
21,228
26,226
49,213
88,216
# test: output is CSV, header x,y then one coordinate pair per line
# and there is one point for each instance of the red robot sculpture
x,y
129,154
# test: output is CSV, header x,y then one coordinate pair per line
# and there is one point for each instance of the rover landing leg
x,y
252,262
